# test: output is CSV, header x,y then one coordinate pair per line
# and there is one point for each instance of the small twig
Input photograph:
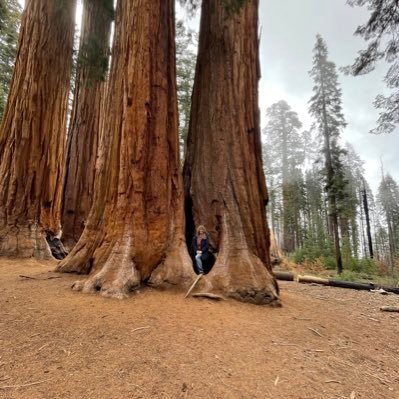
x,y
140,328
48,343
302,318
36,278
315,331
137,386
276,381
23,385
333,381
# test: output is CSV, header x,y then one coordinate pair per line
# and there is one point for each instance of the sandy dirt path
x,y
324,343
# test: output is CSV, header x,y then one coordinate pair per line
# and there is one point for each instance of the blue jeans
x,y
198,262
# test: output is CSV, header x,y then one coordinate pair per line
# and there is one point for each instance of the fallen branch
x,y
22,385
141,328
193,285
389,309
37,278
315,331
209,295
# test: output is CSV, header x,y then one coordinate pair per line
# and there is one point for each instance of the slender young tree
x,y
135,230
32,133
83,137
325,107
224,181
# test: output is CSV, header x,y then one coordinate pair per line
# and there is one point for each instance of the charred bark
x,y
32,132
135,230
367,216
83,137
224,182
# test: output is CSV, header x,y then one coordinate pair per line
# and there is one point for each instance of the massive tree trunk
x,y
135,230
32,133
224,181
82,143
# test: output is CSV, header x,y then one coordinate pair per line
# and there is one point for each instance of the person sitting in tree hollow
x,y
200,249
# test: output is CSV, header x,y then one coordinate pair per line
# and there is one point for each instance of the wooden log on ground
x,y
350,284
389,309
311,279
395,290
284,276
289,276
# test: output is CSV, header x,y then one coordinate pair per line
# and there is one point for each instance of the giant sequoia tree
x,y
224,181
82,144
135,231
33,130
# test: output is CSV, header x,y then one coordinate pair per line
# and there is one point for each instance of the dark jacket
x,y
207,257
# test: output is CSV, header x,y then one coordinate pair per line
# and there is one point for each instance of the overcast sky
x,y
289,29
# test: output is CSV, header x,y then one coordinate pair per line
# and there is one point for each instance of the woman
x,y
200,250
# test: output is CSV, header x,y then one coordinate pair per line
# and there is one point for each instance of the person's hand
x,y
199,252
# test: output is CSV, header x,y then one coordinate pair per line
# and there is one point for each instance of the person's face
x,y
201,231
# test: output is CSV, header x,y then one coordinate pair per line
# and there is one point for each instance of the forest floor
x,y
323,343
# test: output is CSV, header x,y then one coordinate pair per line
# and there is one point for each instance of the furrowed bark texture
x,y
83,138
32,133
224,181
135,230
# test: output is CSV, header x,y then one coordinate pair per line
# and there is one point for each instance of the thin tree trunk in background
x,y
135,229
224,181
82,143
32,133
368,229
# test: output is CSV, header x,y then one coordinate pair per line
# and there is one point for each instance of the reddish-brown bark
x,y
83,137
224,181
135,229
32,133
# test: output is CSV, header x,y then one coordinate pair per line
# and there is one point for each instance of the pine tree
x,y
388,201
186,43
381,32
10,14
326,108
285,153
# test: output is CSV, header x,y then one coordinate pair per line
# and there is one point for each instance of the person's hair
x,y
201,226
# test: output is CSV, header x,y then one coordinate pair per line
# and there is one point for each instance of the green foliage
x,y
231,6
381,32
10,14
186,46
94,59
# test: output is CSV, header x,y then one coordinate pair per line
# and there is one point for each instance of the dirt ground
x,y
322,343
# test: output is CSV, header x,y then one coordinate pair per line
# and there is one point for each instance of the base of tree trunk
x,y
24,242
241,276
114,274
